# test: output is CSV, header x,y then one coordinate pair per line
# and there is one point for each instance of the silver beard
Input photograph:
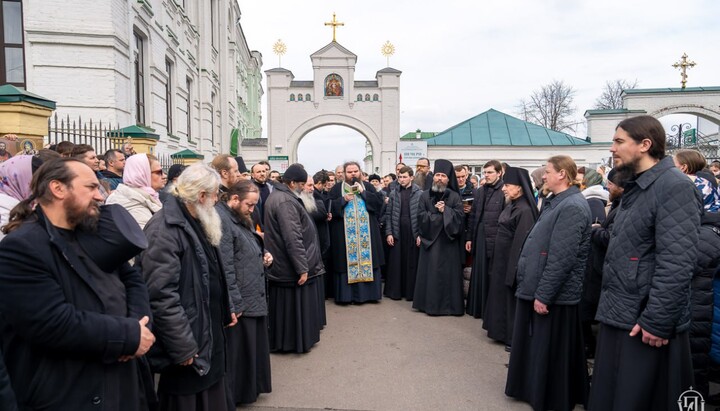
x,y
210,222
308,201
439,187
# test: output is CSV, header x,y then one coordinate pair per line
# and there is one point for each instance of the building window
x,y
139,80
292,97
212,118
359,97
168,96
12,60
367,97
307,97
188,107
376,97
300,97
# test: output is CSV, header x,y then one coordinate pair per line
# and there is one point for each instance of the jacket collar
x,y
651,174
174,214
553,201
224,208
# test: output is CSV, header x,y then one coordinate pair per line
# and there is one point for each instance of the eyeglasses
x,y
158,172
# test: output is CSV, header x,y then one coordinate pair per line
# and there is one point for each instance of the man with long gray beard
x,y
189,294
439,287
296,304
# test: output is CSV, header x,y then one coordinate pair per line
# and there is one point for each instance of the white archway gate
x,y
334,97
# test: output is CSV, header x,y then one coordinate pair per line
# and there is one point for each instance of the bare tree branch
x,y
551,107
611,97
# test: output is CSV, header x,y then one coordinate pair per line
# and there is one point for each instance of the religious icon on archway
x,y
333,86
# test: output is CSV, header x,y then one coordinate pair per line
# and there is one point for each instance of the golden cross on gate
x,y
683,65
334,23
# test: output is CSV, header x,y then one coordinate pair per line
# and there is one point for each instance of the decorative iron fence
x,y
707,145
92,133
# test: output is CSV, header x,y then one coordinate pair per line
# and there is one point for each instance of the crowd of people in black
x,y
129,288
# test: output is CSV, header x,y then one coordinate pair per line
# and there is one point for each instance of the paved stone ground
x,y
388,357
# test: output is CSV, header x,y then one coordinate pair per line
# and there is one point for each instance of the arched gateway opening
x,y
329,146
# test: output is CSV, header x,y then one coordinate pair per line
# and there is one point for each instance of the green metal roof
x,y
134,131
187,153
670,90
12,94
424,135
493,128
611,111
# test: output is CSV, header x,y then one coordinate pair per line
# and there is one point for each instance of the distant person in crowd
x,y
244,257
475,180
423,174
139,191
65,148
596,195
320,194
357,252
4,154
547,362
580,178
514,224
715,169
75,314
487,204
227,167
439,284
339,174
115,164
172,176
189,294
102,165
594,273
376,181
691,163
259,173
642,360
391,183
15,177
127,149
331,181
242,169
538,183
86,154
274,176
47,154
402,234
293,279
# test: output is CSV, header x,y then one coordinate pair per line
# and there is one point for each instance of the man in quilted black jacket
x,y
643,351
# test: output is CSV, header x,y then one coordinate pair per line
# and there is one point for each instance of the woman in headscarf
x,y
596,195
514,224
15,176
143,177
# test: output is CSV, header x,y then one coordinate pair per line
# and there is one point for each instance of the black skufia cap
x,y
118,238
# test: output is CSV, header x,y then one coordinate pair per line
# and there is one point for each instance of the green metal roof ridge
x,y
134,131
12,94
187,153
502,129
612,111
424,135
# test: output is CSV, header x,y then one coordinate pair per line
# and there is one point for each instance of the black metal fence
x,y
92,133
708,146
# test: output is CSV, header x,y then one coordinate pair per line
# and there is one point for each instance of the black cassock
x,y
439,286
403,256
514,225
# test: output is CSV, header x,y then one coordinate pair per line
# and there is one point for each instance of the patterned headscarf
x,y
137,175
15,177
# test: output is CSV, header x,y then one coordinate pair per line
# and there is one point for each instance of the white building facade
x,y
180,67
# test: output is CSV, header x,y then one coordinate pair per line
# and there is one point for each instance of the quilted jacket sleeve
x,y
677,225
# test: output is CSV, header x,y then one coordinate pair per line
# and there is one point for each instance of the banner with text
x,y
279,163
410,151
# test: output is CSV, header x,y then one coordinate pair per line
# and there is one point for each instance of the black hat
x,y
242,168
372,177
174,172
611,176
520,177
447,168
118,238
295,173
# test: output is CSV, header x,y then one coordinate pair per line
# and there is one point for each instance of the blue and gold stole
x,y
358,247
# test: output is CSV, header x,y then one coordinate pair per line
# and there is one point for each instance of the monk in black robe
x,y
514,224
439,286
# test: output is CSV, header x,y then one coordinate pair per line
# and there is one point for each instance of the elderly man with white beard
x,y
189,294
296,303
439,287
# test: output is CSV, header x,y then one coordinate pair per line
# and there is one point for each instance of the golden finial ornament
x,y
335,24
387,50
683,65
279,48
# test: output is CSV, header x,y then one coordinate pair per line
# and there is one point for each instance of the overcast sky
x,y
461,58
